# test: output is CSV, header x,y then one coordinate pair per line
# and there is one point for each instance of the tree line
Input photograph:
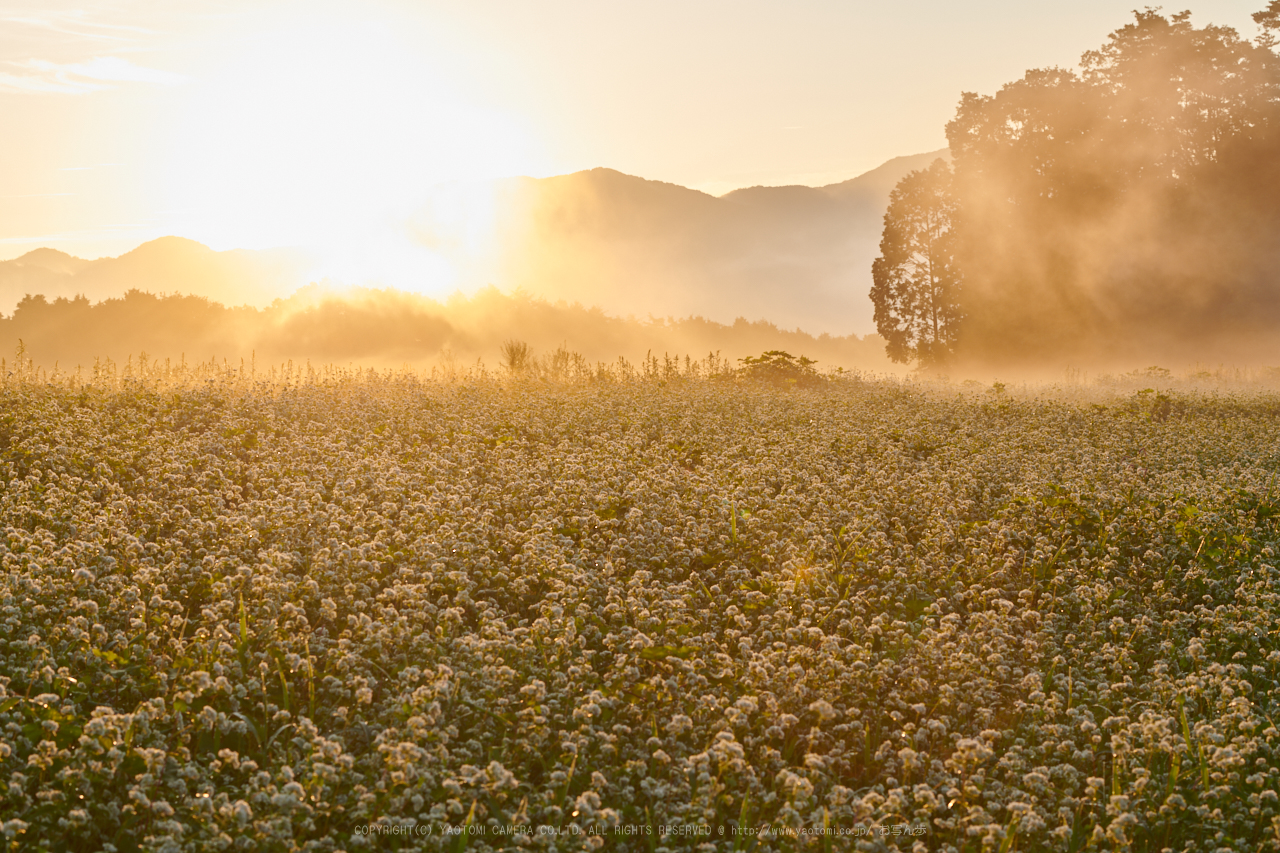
x,y
387,328
1130,206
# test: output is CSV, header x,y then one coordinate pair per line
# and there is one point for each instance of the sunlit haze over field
x,y
605,425
325,125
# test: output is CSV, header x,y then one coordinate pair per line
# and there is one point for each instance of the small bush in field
x,y
781,368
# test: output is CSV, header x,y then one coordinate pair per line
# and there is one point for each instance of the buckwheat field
x,y
356,611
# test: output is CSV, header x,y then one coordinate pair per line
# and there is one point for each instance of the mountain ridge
x,y
166,264
798,256
794,255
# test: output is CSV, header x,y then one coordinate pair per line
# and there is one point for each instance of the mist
x,y
1127,213
166,265
796,256
389,329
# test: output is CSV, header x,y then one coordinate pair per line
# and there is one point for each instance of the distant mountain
x,y
167,265
796,256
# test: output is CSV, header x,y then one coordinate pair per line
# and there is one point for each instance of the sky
x,y
322,124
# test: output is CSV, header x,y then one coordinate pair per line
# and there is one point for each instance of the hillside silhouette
x,y
386,328
798,256
795,256
166,265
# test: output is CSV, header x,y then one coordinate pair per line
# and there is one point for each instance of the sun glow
x,y
329,136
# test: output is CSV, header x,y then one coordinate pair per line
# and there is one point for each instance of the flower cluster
x,y
279,615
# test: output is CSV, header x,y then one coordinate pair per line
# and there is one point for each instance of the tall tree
x,y
1130,206
916,279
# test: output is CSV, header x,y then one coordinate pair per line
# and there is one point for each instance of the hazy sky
x,y
257,124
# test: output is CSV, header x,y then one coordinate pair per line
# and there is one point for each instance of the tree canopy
x,y
1129,205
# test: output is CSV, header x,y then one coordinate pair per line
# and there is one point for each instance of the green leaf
x,y
109,657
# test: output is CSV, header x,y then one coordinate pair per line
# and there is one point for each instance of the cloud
x,y
79,78
73,22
